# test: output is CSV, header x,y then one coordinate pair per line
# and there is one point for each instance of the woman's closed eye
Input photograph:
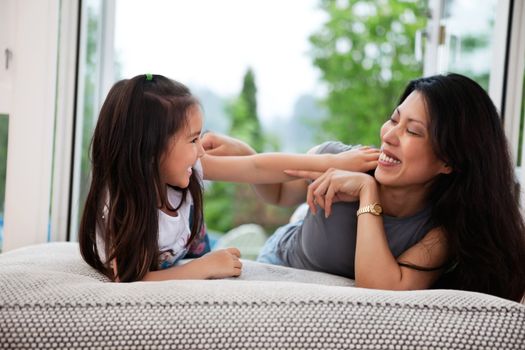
x,y
413,132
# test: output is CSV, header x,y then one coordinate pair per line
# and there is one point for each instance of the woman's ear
x,y
445,169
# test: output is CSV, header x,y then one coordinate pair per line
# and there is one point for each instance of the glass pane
x,y
522,126
89,103
468,42
223,58
284,66
4,127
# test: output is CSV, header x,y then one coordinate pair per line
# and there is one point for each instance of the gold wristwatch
x,y
374,209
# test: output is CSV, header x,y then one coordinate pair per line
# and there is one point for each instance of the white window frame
x,y
105,78
65,119
514,80
31,122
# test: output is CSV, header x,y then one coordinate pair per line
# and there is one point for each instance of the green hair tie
x,y
149,76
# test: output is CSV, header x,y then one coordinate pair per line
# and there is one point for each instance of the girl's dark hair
x,y
477,205
137,119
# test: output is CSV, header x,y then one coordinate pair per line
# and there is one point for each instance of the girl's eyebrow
x,y
195,134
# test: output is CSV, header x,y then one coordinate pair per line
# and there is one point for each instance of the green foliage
x,y
243,111
218,206
365,52
227,205
4,128
89,114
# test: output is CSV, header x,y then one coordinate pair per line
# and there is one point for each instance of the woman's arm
x,y
265,171
268,168
282,194
375,266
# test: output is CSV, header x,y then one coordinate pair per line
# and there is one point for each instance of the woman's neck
x,y
402,202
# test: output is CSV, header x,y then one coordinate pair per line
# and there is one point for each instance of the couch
x,y
51,299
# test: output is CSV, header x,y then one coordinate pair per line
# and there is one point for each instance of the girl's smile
x,y
183,152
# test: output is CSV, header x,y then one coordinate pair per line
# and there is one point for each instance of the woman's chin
x,y
382,178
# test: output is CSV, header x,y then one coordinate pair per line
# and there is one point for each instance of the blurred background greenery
x,y
365,53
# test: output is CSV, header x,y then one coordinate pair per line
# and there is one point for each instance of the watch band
x,y
374,209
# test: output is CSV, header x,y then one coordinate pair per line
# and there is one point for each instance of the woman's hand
x,y
222,145
332,186
360,159
222,263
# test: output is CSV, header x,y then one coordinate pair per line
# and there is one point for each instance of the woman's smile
x,y
388,160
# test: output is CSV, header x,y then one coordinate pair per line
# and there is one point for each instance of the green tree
x,y
365,53
227,205
89,117
243,111
4,127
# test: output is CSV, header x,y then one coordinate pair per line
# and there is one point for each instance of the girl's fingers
x,y
234,251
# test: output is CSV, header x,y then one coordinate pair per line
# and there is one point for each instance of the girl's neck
x,y
402,202
169,212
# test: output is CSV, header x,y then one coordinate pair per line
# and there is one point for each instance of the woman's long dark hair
x,y
136,121
477,205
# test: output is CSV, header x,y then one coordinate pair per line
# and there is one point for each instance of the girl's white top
x,y
174,231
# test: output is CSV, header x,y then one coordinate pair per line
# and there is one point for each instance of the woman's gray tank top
x,y
328,244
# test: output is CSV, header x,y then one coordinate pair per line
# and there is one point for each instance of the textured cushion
x,y
49,298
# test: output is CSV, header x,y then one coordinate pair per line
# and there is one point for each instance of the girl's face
x,y
184,148
407,158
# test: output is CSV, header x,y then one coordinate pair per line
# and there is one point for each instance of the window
x,y
4,125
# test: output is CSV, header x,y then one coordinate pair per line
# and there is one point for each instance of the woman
x,y
440,211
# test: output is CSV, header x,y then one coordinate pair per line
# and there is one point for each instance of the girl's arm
x,y
283,194
375,266
217,264
276,191
266,168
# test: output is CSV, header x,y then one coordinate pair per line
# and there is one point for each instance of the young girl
x,y
143,212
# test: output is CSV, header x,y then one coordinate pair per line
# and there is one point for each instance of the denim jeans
x,y
269,253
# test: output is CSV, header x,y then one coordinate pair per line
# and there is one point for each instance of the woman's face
x,y
184,148
407,158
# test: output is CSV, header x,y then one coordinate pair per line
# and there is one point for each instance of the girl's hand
x,y
360,159
222,263
332,186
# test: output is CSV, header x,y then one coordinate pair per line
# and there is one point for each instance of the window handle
x,y
419,44
8,56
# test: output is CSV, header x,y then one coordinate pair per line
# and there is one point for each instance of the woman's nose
x,y
390,135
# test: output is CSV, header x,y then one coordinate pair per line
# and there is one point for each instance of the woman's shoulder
x,y
333,147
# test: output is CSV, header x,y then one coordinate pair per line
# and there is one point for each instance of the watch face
x,y
377,209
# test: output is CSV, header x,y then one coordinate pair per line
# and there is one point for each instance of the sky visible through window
x,y
209,44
